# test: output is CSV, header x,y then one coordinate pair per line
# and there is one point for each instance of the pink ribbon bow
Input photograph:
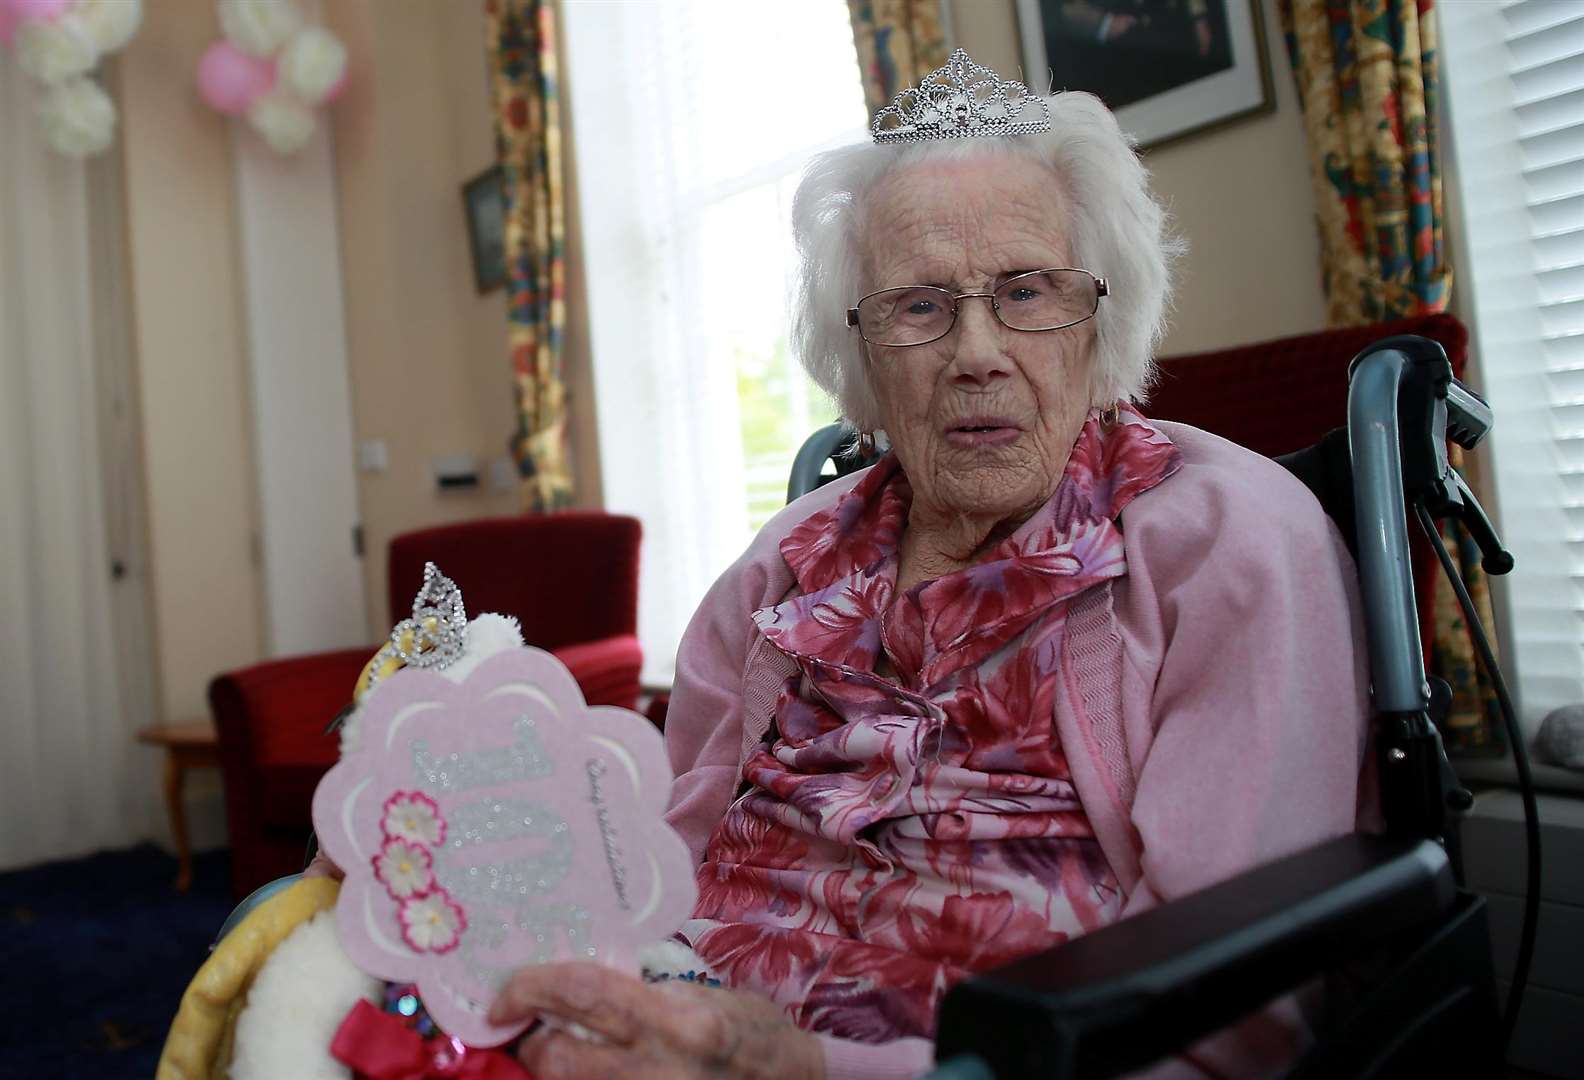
x,y
380,1046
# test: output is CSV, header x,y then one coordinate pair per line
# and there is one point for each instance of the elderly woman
x,y
1045,665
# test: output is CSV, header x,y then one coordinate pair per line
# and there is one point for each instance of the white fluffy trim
x,y
487,635
305,990
670,959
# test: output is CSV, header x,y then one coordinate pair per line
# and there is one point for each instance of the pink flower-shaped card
x,y
498,822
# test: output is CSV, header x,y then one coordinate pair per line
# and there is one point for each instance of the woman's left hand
x,y
666,1031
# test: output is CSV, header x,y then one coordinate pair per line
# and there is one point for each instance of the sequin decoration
x,y
524,759
554,930
465,869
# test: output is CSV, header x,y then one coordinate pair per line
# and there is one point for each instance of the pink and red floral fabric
x,y
899,831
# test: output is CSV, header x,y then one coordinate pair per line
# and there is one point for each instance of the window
x,y
1515,88
692,121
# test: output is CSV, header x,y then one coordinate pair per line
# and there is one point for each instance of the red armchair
x,y
570,579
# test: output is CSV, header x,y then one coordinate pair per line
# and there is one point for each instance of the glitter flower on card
x,y
413,816
404,869
432,922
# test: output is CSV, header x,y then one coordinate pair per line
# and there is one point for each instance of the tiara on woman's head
x,y
958,101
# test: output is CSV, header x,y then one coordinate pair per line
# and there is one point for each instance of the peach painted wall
x,y
1240,195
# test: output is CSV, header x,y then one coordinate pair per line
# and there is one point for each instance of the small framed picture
x,y
1167,68
484,200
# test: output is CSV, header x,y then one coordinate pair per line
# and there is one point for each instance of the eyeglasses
x,y
1050,299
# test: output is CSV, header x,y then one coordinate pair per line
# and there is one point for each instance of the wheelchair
x,y
1403,951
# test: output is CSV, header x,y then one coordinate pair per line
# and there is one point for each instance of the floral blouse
x,y
897,832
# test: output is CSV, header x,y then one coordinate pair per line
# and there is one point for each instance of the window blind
x,y
1514,74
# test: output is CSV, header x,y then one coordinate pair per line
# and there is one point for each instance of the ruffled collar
x,y
844,559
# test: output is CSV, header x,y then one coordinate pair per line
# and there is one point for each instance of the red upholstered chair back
x,y
1278,396
1275,397
567,577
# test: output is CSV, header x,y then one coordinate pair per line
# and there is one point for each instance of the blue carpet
x,y
94,956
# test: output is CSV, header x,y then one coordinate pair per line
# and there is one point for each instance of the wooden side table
x,y
192,745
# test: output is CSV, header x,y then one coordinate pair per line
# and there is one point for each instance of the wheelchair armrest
x,y
1125,996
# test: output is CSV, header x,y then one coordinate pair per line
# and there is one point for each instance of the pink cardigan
x,y
1213,708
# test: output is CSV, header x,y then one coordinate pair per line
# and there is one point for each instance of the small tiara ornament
x,y
438,627
958,101
435,637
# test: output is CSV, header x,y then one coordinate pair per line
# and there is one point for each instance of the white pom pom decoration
x,y
259,27
53,52
78,118
284,122
111,23
312,63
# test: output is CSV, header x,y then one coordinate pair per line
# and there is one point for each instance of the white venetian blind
x,y
691,123
1514,74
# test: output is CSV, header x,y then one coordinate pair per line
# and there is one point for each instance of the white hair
x,y
1118,231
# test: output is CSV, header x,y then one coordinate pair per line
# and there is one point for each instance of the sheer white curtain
x,y
74,778
692,121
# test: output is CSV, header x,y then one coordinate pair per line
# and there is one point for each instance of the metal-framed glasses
x,y
1039,300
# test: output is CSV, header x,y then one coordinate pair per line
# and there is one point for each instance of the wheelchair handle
x,y
1385,572
1403,406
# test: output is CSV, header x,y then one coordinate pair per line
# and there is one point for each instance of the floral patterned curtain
x,y
1367,82
899,42
520,40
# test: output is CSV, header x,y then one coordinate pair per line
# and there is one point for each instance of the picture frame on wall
x,y
1167,68
484,202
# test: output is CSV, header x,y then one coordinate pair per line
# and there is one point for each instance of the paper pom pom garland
x,y
78,118
272,68
41,10
313,64
59,43
111,23
230,80
57,50
259,27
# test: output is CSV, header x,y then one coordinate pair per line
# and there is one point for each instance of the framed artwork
x,y
1167,68
484,200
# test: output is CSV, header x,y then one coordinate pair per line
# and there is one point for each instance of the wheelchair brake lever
x,y
1495,558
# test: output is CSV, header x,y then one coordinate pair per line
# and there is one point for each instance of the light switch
x,y
372,456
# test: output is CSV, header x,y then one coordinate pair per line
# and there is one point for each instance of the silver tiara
x,y
438,624
961,100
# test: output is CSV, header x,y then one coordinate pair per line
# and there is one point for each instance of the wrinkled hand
x,y
667,1031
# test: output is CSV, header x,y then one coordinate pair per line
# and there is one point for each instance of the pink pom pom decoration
x,y
8,23
334,91
43,10
229,79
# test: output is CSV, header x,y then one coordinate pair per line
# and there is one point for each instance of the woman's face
x,y
984,418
